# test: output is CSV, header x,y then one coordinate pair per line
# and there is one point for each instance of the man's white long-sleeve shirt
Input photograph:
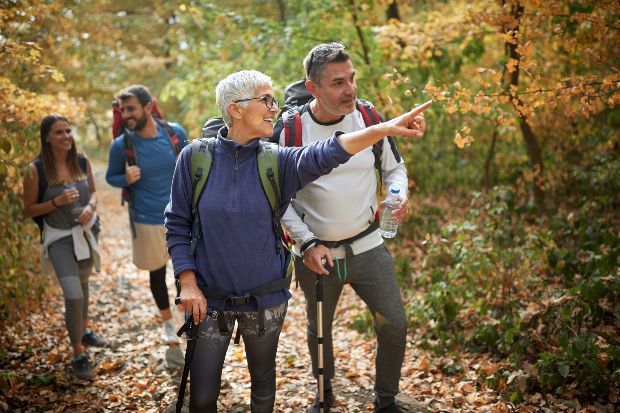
x,y
343,203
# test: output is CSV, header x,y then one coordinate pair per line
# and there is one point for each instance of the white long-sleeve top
x,y
343,203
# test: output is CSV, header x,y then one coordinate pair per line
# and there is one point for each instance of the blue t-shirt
x,y
156,159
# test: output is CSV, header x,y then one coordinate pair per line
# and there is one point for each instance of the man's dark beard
x,y
140,124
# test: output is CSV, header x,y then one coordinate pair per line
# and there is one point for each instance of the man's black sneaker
x,y
93,339
329,399
395,407
81,367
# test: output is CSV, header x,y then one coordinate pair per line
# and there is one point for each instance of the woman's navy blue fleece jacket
x,y
236,252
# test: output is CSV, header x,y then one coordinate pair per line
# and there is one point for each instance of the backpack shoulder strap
x,y
38,163
200,165
129,150
369,112
372,117
267,160
291,120
172,135
83,163
268,173
39,220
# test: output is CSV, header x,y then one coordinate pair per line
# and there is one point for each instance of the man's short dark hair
x,y
141,92
320,56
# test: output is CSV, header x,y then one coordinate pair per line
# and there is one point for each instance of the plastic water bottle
x,y
389,227
75,206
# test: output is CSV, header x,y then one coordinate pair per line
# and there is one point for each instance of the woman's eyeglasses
x,y
269,101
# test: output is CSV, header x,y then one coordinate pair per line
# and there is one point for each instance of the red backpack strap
x,y
155,109
371,117
297,122
130,152
292,128
117,120
369,113
172,135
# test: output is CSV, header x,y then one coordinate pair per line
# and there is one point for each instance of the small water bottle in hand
x,y
76,207
389,227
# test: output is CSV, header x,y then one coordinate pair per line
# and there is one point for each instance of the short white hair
x,y
236,86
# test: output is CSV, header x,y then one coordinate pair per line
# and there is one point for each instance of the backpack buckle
x,y
240,300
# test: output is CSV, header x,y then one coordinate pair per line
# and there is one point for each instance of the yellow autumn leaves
x,y
462,141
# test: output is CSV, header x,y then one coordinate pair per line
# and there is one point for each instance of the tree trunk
x,y
392,11
532,146
486,182
365,49
534,151
360,34
282,9
96,126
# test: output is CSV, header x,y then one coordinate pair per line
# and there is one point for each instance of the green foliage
x,y
18,251
535,292
362,323
41,380
581,361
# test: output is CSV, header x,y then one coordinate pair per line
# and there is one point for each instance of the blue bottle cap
x,y
394,189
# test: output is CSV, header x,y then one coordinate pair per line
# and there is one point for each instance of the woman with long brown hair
x,y
59,193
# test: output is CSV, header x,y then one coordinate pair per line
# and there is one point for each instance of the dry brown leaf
x,y
424,364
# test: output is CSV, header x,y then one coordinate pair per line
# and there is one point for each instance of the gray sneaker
x,y
169,333
90,338
81,367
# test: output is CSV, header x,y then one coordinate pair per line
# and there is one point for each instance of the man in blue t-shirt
x,y
142,161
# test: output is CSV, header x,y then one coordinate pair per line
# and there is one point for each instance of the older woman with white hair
x,y
233,268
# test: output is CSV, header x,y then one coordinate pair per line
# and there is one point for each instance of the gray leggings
x,y
206,368
73,278
371,275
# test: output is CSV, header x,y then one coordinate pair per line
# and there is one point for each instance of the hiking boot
x,y
328,403
169,333
395,407
90,338
81,367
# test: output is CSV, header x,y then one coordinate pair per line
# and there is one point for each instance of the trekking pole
x,y
319,313
191,330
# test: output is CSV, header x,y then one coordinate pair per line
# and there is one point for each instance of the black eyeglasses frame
x,y
265,99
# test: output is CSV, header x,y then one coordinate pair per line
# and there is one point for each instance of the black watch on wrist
x,y
309,244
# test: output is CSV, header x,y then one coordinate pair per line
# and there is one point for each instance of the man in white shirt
x,y
335,218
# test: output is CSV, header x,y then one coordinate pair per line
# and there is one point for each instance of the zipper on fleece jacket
x,y
234,188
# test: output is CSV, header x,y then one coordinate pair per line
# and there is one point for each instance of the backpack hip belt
x,y
335,244
256,295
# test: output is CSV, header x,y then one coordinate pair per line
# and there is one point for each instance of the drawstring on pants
x,y
344,267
